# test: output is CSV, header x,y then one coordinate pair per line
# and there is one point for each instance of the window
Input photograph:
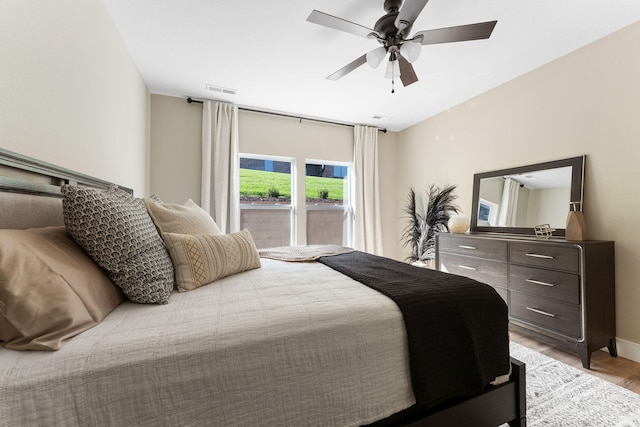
x,y
328,204
487,213
266,207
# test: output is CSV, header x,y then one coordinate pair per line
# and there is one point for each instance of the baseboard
x,y
628,350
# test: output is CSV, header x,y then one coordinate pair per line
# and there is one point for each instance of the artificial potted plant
x,y
419,234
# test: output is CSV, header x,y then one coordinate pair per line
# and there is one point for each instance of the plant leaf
x,y
411,233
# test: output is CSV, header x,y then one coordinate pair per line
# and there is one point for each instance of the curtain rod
x,y
192,101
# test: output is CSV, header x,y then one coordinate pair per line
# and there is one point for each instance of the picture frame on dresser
x,y
556,290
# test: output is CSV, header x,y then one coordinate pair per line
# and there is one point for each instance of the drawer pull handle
x,y
537,282
467,268
473,248
544,313
539,256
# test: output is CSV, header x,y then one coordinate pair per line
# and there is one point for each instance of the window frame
x,y
292,206
347,205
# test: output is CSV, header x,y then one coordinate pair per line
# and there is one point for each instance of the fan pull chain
x,y
392,84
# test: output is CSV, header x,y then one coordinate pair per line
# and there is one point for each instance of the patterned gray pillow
x,y
117,232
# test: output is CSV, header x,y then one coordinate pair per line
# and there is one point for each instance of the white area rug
x,y
559,395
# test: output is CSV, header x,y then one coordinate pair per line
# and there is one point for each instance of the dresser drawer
x,y
482,270
555,315
551,284
545,255
482,248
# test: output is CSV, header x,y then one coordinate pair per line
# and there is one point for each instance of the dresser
x,y
562,291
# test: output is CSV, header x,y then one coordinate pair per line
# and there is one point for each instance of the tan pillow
x,y
50,289
183,219
202,259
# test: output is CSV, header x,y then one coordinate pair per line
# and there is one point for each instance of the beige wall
x,y
175,153
176,134
548,206
583,103
70,92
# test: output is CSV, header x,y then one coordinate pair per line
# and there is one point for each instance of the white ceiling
x,y
277,61
546,178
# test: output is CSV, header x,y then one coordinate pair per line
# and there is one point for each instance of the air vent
x,y
221,89
379,117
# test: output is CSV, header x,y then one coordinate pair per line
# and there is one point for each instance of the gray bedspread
x,y
288,344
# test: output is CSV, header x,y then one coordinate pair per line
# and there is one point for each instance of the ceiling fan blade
x,y
408,13
460,33
340,24
407,73
348,68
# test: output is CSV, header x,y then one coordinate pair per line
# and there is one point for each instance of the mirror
x,y
515,200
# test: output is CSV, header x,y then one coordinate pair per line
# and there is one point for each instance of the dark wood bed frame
x,y
504,403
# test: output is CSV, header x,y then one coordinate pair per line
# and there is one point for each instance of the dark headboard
x,y
22,174
30,190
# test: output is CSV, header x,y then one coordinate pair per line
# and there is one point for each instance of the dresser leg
x,y
613,349
519,422
585,356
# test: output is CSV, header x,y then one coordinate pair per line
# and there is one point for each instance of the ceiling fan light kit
x,y
393,69
410,51
392,31
375,56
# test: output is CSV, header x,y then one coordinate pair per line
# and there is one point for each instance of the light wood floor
x,y
617,370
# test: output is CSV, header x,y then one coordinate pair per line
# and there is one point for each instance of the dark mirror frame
x,y
577,179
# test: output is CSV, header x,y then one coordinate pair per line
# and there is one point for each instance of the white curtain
x,y
367,224
509,205
220,194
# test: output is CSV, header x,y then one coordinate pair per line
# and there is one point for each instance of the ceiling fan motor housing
x,y
392,5
386,27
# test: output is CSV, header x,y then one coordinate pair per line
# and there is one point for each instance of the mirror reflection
x,y
525,199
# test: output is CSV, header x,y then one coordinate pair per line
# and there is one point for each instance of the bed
x,y
289,343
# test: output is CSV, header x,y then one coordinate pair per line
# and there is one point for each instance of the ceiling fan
x,y
392,32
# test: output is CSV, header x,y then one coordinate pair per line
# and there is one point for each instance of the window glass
x,y
326,184
329,214
265,181
266,209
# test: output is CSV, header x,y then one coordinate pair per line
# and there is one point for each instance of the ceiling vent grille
x,y
221,89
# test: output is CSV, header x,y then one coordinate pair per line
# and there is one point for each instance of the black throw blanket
x,y
456,327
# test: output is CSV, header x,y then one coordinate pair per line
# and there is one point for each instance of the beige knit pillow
x,y
183,219
202,259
